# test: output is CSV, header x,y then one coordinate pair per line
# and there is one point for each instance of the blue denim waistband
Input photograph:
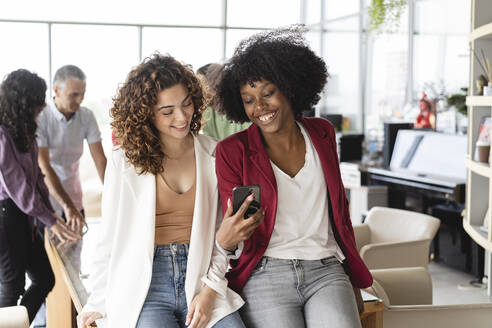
x,y
171,249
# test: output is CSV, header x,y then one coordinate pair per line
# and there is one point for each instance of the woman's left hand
x,y
201,308
234,228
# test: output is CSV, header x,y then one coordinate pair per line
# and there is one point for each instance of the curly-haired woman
x,y
300,267
24,198
157,262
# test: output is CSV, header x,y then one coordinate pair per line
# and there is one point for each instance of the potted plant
x,y
384,15
458,100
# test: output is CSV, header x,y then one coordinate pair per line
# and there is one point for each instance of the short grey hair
x,y
67,72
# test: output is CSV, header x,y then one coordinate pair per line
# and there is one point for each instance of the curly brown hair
x,y
133,115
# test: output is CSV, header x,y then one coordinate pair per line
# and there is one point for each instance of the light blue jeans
x,y
299,293
165,304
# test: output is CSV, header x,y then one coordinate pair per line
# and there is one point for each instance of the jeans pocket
x,y
260,266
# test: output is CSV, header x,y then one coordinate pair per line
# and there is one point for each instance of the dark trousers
x,y
22,251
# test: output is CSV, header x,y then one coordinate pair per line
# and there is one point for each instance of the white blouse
x,y
302,227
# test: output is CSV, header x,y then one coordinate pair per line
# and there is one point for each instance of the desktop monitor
x,y
335,119
390,132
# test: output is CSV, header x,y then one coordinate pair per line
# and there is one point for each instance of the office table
x,y
372,317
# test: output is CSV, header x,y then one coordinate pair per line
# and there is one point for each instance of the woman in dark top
x,y
23,196
300,267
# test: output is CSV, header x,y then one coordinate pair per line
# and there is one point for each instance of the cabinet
x,y
479,178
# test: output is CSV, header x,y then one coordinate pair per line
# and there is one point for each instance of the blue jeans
x,y
299,293
165,304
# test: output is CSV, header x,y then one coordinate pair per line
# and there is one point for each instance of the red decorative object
x,y
113,139
426,117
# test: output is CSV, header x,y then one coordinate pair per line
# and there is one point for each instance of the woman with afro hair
x,y
300,267
24,197
158,263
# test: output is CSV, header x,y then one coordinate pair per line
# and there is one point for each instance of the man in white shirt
x,y
62,127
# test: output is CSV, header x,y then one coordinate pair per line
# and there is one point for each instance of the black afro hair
x,y
281,57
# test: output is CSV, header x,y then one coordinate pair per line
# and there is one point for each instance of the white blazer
x,y
122,266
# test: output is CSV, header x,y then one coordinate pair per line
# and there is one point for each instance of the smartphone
x,y
239,194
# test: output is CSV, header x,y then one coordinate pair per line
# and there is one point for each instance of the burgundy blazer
x,y
241,159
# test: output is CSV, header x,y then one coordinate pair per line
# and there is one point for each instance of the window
x,y
151,12
105,53
235,36
196,47
341,54
441,45
372,79
311,12
335,9
261,13
24,45
386,79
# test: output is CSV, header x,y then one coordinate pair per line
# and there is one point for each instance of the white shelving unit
x,y
479,178
479,168
482,32
478,100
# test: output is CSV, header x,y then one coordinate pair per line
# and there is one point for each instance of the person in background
x,y
300,267
158,263
216,124
24,198
62,128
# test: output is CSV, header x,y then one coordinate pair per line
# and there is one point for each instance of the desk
x,y
71,290
372,317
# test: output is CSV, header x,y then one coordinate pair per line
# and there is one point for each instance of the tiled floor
x,y
452,287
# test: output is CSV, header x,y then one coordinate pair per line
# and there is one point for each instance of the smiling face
x,y
69,96
266,106
173,112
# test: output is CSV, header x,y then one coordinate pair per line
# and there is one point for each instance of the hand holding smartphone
x,y
239,195
233,229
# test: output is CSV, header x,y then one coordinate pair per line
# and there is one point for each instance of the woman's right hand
x,y
87,318
235,228
62,232
75,220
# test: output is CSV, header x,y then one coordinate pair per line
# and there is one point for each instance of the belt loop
x,y
174,248
264,261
